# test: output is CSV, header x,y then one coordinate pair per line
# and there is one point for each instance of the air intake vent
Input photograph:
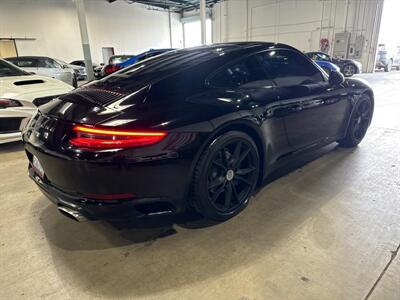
x,y
28,82
92,96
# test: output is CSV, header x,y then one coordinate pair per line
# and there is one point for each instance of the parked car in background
x,y
97,71
80,71
20,94
327,66
81,63
46,66
193,129
112,62
386,61
396,61
118,64
348,67
142,56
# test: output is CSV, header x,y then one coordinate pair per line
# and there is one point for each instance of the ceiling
x,y
173,5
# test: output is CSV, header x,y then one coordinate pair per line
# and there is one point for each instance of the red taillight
x,y
4,103
111,69
102,138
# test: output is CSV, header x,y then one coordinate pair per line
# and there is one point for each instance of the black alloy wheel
x,y
349,70
226,175
359,122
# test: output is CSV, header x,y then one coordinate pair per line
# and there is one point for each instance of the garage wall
x,y
300,23
129,28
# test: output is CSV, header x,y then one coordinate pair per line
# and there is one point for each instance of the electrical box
x,y
341,45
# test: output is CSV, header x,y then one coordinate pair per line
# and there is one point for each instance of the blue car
x,y
327,66
142,56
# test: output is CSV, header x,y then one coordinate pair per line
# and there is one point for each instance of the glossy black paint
x,y
179,99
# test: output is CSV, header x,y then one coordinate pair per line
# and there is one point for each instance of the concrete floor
x,y
329,230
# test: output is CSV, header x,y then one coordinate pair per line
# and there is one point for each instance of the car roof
x,y
16,57
171,62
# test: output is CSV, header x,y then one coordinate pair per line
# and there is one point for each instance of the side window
x,y
289,68
245,73
26,63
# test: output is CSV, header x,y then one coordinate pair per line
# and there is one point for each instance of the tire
x,y
74,82
218,191
388,67
349,70
360,120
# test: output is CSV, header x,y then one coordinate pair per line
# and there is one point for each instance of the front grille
x,y
10,125
43,100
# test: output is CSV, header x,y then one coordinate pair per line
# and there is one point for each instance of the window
x,y
289,68
246,73
7,69
323,57
117,59
25,62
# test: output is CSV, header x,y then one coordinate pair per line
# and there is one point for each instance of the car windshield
x,y
382,54
7,69
61,62
117,59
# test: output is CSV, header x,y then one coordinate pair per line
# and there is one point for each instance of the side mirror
x,y
336,78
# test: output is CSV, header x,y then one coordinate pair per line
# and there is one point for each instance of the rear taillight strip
x,y
103,138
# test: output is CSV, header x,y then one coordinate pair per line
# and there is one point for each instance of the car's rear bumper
x,y
110,210
150,188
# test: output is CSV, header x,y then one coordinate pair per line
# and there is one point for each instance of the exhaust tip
x,y
72,214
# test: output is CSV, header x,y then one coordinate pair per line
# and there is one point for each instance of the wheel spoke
x,y
228,195
217,182
235,193
224,158
242,157
241,178
236,153
245,171
219,164
218,193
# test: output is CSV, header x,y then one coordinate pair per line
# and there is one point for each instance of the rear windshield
x,y
7,69
117,59
155,68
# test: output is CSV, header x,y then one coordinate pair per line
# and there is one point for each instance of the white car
x,y
80,72
46,66
20,94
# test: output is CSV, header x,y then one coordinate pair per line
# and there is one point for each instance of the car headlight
x,y
5,103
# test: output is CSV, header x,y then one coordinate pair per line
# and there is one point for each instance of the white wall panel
x,y
129,28
300,23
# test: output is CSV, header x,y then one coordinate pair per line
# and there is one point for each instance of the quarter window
x,y
289,68
245,73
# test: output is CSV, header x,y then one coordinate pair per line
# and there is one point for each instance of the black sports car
x,y
348,67
197,128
